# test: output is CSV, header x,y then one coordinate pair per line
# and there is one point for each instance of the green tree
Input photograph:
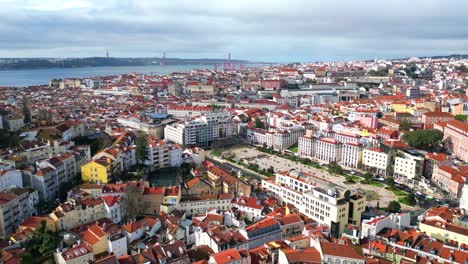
x,y
335,168
258,123
379,114
423,138
26,111
141,147
411,199
43,241
393,207
27,259
390,181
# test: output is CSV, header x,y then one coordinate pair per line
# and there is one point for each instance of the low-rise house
x,y
80,253
291,225
371,227
137,229
221,238
230,256
338,253
250,206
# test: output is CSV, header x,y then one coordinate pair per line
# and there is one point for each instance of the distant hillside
x,y
44,63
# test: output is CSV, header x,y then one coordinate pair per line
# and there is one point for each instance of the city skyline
x,y
271,31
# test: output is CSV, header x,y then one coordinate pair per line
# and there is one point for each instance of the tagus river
x,y
21,78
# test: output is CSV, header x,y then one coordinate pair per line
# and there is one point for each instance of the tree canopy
x,y
141,147
394,207
335,168
423,138
42,242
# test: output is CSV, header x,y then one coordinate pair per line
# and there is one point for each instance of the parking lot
x,y
265,161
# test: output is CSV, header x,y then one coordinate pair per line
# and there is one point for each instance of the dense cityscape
x,y
329,162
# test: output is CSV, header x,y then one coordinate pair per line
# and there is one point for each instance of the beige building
x,y
77,212
323,201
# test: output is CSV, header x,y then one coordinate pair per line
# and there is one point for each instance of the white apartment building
x,y
9,178
306,146
319,199
201,131
375,158
328,150
163,154
351,155
64,165
201,205
408,165
183,111
279,140
346,138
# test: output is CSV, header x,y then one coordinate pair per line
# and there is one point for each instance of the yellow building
x,y
96,238
400,107
445,231
96,171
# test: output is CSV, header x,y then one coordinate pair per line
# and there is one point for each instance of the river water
x,y
21,78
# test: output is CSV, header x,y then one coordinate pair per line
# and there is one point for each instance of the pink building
x,y
430,118
451,178
368,121
271,84
456,138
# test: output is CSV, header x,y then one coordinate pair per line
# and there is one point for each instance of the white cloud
x,y
261,29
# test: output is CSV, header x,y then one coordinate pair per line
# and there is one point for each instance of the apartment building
x,y
16,204
195,87
261,232
306,146
444,223
328,150
9,178
409,165
183,111
351,155
326,203
375,159
429,118
433,160
201,131
78,211
347,138
203,203
65,166
163,154
456,138
451,178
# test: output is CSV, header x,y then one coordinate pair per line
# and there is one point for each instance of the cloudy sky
x,y
274,30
